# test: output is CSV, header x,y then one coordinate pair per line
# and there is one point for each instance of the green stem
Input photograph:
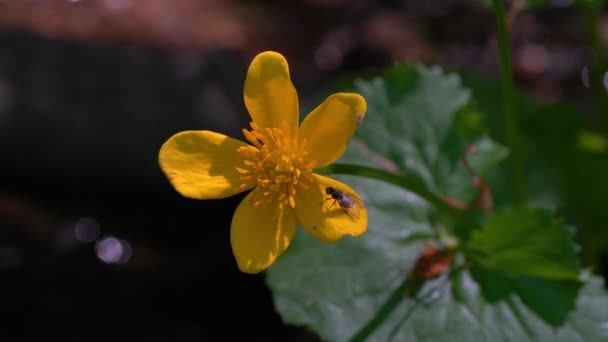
x,y
395,298
508,102
401,181
412,286
591,20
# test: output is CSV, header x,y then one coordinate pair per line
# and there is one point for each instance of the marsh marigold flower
x,y
277,163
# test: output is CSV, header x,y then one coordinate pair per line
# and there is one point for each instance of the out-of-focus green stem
x,y
394,299
409,288
591,20
508,103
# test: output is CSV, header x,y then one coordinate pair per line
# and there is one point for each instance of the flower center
x,y
276,163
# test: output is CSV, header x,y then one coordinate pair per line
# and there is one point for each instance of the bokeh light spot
x,y
112,250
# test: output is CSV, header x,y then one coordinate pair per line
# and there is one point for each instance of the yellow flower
x,y
277,164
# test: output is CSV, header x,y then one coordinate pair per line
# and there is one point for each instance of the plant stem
x,y
395,298
409,287
401,181
508,102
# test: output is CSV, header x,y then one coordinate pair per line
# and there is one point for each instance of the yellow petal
x,y
329,128
269,95
259,235
324,218
202,164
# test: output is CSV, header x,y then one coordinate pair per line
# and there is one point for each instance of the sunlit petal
x,y
259,235
270,97
329,128
323,217
202,164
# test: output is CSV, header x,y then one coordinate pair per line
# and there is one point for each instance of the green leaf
x,y
453,180
561,173
550,299
525,242
410,113
336,290
417,119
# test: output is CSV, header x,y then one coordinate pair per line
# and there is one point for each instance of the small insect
x,y
349,203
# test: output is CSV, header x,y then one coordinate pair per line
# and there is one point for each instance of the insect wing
x,y
352,211
351,204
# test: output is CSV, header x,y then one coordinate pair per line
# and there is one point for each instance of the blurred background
x,y
94,242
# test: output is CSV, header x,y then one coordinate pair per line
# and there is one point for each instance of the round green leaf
x,y
336,290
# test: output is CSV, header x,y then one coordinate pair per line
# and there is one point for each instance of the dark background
x,y
89,91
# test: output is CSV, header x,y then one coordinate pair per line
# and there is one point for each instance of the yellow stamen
x,y
276,162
